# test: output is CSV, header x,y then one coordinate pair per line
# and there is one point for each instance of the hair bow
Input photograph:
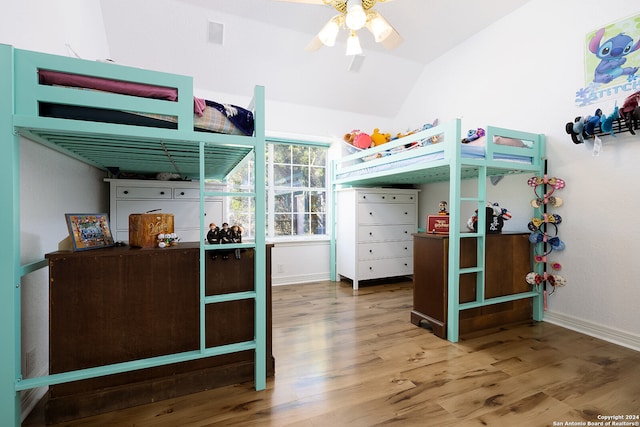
x,y
540,237
554,280
546,218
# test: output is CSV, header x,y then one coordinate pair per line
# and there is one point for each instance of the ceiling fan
x,y
354,15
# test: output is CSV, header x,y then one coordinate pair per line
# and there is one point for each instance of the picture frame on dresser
x,y
89,231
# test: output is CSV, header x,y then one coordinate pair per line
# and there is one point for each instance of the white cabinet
x,y
180,198
374,232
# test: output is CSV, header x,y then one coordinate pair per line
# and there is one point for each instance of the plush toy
x,y
576,129
473,134
358,139
606,122
630,112
380,138
592,122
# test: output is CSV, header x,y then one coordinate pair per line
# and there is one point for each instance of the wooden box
x,y
144,228
438,224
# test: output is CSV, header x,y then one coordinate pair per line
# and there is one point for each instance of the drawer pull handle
x,y
370,233
126,191
162,193
182,193
370,213
370,268
370,251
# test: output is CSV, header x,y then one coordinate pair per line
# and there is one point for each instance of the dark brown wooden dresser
x,y
120,304
508,260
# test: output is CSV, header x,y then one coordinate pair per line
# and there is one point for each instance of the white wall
x,y
51,184
522,73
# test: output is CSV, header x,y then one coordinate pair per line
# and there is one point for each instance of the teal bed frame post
x,y
260,185
453,280
10,271
259,294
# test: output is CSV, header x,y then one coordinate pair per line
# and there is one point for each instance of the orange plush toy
x,y
380,138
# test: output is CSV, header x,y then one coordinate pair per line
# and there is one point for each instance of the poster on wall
x,y
612,62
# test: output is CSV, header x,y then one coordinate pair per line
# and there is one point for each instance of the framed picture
x,y
89,230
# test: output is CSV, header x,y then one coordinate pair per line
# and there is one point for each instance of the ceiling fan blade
x,y
382,31
393,40
314,45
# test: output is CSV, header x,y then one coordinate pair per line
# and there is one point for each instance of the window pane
x,y
282,202
300,176
318,225
282,175
300,199
281,153
318,177
318,156
317,201
299,155
283,225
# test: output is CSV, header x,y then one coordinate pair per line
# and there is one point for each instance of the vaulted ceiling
x,y
263,43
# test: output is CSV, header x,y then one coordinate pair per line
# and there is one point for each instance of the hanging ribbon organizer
x,y
544,227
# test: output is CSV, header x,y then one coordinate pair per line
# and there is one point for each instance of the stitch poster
x,y
612,62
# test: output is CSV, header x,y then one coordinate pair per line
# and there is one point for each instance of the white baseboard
x,y
614,336
299,278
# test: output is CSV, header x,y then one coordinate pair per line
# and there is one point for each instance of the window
x,y
296,191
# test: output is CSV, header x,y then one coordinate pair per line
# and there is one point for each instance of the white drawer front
x,y
385,250
377,233
389,267
390,197
186,193
127,192
395,213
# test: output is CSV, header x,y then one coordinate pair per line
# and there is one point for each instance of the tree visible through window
x,y
296,192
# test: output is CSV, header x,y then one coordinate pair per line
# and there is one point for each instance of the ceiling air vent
x,y
215,33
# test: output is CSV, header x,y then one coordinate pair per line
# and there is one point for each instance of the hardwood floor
x,y
358,361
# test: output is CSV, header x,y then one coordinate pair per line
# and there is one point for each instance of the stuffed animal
x,y
380,138
606,122
576,129
592,122
473,134
358,139
630,112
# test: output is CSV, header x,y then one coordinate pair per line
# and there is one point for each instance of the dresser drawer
x,y
186,193
379,250
372,269
127,192
389,197
377,233
387,213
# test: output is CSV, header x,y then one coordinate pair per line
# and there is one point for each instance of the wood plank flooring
x,y
358,361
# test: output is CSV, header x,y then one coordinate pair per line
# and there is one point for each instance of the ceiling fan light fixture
x,y
356,16
329,32
380,28
353,44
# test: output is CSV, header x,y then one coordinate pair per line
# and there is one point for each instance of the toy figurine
x,y
213,236
443,208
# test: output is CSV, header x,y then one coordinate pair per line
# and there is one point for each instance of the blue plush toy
x,y
606,123
592,121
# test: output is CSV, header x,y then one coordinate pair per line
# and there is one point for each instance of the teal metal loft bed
x,y
195,154
414,160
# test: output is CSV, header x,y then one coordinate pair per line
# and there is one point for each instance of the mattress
x,y
209,116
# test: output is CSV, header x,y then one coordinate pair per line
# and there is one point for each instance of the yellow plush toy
x,y
380,138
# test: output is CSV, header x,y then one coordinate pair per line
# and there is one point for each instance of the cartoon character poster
x,y
612,62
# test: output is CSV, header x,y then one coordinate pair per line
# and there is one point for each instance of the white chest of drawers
x,y
374,232
180,198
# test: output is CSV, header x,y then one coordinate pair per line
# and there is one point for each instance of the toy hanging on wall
x,y
630,112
